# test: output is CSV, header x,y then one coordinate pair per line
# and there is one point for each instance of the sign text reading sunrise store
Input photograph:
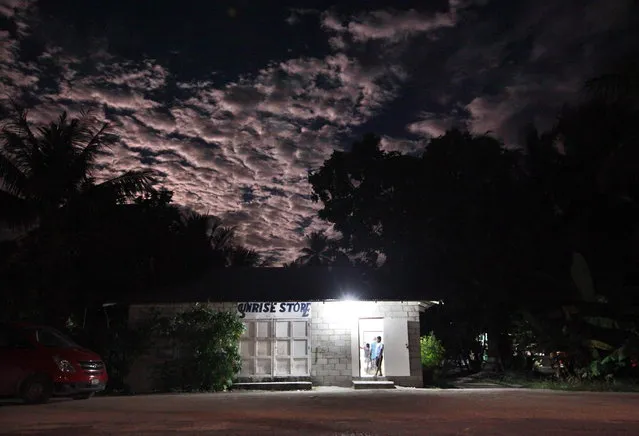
x,y
273,309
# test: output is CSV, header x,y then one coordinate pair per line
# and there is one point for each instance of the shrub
x,y
207,345
432,351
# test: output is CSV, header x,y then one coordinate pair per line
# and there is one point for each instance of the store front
x,y
321,339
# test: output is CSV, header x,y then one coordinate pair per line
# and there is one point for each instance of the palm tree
x,y
51,169
215,242
319,250
221,237
238,256
48,187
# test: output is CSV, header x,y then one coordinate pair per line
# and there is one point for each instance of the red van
x,y
38,362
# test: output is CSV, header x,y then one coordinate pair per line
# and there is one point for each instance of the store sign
x,y
289,309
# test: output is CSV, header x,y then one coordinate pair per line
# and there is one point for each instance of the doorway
x,y
369,330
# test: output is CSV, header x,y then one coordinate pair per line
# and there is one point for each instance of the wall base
x,y
274,386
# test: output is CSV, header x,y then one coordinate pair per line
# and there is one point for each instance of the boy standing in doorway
x,y
379,356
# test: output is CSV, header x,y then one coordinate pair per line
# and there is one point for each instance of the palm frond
x,y
318,250
195,219
129,184
195,226
243,257
88,146
12,179
19,124
221,237
18,149
98,140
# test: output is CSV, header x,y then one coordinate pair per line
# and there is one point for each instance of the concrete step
x,y
373,384
274,386
371,378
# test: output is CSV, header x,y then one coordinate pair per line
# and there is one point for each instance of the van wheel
x,y
36,389
83,396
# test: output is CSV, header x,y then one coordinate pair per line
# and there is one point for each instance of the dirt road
x,y
334,412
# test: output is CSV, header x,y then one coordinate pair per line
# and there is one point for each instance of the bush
x,y
207,345
432,351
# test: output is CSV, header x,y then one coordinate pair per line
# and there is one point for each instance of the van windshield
x,y
52,338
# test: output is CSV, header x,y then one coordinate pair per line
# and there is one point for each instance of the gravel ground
x,y
333,411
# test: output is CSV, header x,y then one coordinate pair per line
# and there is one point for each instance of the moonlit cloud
x,y
400,145
239,145
433,125
387,25
538,64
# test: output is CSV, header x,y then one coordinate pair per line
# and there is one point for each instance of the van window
x,y
52,338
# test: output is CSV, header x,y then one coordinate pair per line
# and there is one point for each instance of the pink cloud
x,y
388,25
432,125
404,146
261,131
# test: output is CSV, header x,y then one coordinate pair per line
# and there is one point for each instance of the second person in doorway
x,y
378,355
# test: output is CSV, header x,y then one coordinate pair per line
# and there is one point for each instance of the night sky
x,y
234,101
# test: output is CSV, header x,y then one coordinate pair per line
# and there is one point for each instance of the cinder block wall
x,y
331,362
332,347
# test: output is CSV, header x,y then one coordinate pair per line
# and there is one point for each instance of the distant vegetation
x,y
537,245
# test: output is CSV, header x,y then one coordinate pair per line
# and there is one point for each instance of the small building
x,y
302,324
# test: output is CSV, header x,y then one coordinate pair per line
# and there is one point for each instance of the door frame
x,y
359,341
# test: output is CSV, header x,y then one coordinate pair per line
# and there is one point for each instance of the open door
x,y
396,356
369,329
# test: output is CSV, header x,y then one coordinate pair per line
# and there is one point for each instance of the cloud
x,y
388,25
263,132
17,12
434,125
401,145
524,72
240,143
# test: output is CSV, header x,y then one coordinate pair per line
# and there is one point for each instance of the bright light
x,y
344,309
348,298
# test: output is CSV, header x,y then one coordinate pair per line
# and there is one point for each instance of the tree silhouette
x,y
620,82
317,250
50,171
452,213
87,242
321,250
243,257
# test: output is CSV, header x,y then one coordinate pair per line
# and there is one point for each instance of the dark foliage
x,y
493,231
207,346
79,244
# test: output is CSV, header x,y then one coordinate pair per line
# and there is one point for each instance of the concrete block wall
x,y
416,378
331,362
334,336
